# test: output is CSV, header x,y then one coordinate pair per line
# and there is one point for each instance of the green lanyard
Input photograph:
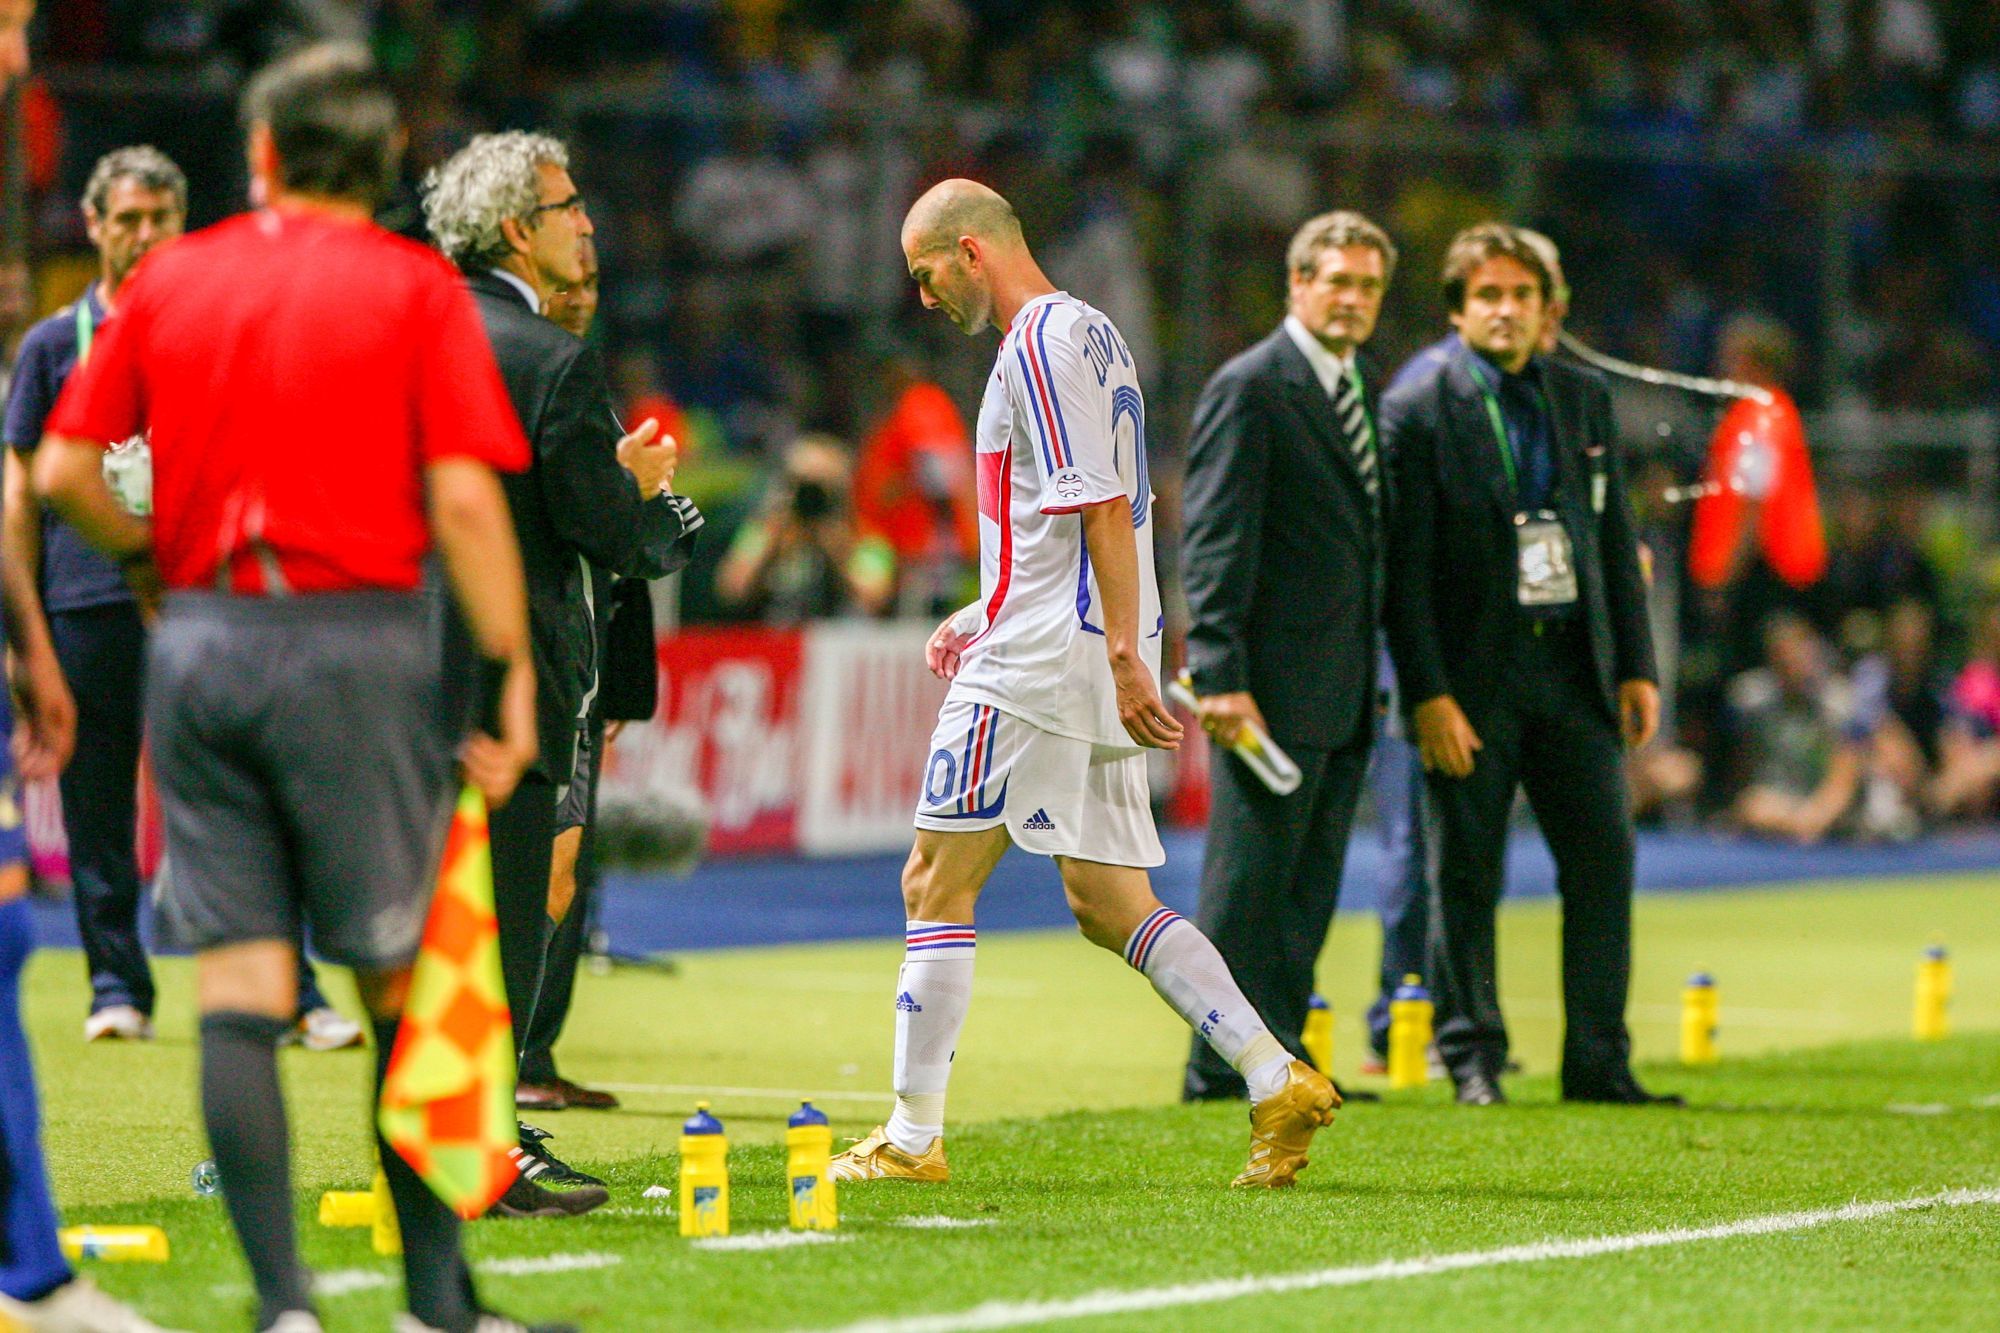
x,y
86,326
1499,426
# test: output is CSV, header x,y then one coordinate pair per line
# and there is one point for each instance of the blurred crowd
x,y
1828,168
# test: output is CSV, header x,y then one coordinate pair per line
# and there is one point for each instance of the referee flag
x,y
448,1100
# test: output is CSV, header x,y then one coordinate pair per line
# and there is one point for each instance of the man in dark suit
x,y
1517,618
1282,564
506,211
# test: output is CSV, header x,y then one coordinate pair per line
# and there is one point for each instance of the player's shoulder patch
x,y
1069,483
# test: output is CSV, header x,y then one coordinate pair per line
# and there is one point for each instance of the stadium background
x,y
1831,165
1825,168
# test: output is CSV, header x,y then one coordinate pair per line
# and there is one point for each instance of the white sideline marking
x,y
549,1263
347,1281
941,1223
1014,1314
1987,1102
777,1094
767,1240
1917,1108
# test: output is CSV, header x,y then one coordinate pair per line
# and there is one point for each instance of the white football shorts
x,y
1056,795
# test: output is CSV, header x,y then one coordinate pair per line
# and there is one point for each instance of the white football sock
x,y
1190,975
933,994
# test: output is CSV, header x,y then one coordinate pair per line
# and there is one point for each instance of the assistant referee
x,y
310,383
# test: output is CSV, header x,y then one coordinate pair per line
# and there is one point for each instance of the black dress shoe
x,y
539,1097
1479,1089
1623,1091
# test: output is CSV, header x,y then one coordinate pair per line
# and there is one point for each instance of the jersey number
x,y
1100,345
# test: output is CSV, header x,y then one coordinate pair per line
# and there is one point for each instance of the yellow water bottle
x,y
809,1146
704,1175
1410,1012
1932,1019
1318,1036
114,1244
1701,1013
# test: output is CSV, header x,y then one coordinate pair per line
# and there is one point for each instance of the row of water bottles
x,y
705,1173
1701,1008
1411,1015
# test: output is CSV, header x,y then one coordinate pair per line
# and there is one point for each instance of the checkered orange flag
x,y
448,1101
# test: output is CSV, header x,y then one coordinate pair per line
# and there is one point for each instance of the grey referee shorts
x,y
304,767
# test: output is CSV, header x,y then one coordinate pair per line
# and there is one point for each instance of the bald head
x,y
966,254
959,208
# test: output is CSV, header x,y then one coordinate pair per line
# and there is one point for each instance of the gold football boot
x,y
1282,1127
875,1158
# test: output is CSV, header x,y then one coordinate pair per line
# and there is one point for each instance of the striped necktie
x,y
1353,418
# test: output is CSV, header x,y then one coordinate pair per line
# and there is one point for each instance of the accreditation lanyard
x,y
1500,437
86,328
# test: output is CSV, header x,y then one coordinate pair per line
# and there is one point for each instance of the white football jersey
x,y
1062,426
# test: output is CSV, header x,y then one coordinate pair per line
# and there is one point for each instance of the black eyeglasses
x,y
572,204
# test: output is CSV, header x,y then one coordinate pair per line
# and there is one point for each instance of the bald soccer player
x,y
1053,702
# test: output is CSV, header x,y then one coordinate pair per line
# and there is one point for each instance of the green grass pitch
x,y
1075,1174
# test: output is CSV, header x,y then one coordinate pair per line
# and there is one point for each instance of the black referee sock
x,y
437,1283
245,1113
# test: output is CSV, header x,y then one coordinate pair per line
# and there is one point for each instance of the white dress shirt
x,y
1330,369
527,292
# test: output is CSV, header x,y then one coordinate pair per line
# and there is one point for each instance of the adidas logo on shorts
x,y
908,1003
1039,822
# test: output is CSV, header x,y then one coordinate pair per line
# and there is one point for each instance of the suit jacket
x,y
574,505
1453,616
1281,558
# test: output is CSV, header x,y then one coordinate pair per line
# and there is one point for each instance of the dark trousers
x,y
1551,735
1403,897
565,948
102,650
1270,879
523,832
558,986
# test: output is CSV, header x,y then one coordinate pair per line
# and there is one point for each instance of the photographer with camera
x,y
806,557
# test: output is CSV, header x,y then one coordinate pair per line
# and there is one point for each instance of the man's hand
x,y
495,764
47,735
650,463
1638,711
1222,716
1140,706
947,641
1445,739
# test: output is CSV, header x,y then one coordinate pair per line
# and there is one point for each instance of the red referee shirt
x,y
296,373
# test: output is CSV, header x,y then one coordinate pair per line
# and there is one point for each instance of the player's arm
x,y
69,474
49,708
474,532
1114,559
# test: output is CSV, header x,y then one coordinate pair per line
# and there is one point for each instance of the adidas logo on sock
x,y
1039,821
908,1004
